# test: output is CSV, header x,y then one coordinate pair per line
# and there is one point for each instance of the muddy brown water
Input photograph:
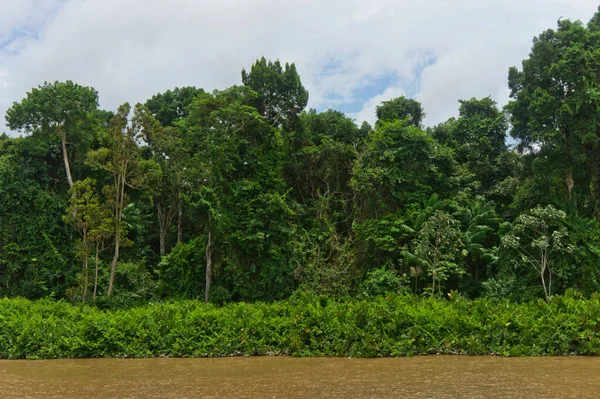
x,y
284,377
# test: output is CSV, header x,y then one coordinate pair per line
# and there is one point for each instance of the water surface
x,y
284,377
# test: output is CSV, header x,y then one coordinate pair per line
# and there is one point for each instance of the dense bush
x,y
305,325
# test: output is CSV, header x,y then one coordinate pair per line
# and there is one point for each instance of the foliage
x,y
400,108
535,236
181,272
35,249
241,195
437,249
400,165
381,282
555,108
281,95
60,108
306,325
93,222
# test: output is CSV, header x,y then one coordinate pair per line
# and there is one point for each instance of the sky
x,y
351,54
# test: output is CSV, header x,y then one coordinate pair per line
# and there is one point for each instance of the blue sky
x,y
351,54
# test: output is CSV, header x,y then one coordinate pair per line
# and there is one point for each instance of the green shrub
x,y
305,325
381,282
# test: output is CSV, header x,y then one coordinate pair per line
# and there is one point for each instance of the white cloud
x,y
132,49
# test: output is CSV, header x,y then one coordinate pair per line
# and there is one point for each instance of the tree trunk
x,y
179,217
549,282
570,183
120,197
96,275
113,265
544,285
162,236
543,268
85,276
63,142
208,265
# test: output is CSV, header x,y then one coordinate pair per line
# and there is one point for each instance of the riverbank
x,y
302,326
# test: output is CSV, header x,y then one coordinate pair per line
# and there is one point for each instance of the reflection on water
x,y
282,377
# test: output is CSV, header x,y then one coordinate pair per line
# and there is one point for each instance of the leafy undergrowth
x,y
305,325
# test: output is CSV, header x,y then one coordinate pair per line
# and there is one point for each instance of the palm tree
x,y
479,221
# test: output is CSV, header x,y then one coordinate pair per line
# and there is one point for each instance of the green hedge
x,y
302,326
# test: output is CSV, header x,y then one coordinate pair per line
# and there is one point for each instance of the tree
x,y
319,162
400,165
554,112
165,143
212,159
58,108
281,96
120,159
102,230
478,137
90,218
479,225
438,248
172,105
400,108
236,179
535,237
163,170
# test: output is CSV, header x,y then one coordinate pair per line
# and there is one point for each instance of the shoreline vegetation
x,y
304,325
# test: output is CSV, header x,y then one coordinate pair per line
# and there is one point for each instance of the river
x,y
284,377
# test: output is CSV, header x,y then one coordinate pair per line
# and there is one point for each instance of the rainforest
x,y
244,195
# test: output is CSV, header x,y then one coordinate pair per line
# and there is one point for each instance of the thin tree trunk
x,y
162,234
96,275
544,285
543,274
162,238
85,279
120,195
113,265
549,282
208,265
82,281
63,142
85,276
179,217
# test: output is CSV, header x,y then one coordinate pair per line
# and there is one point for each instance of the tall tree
x,y
281,95
88,216
165,144
400,165
556,97
58,108
120,159
163,165
237,179
172,105
478,138
399,109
